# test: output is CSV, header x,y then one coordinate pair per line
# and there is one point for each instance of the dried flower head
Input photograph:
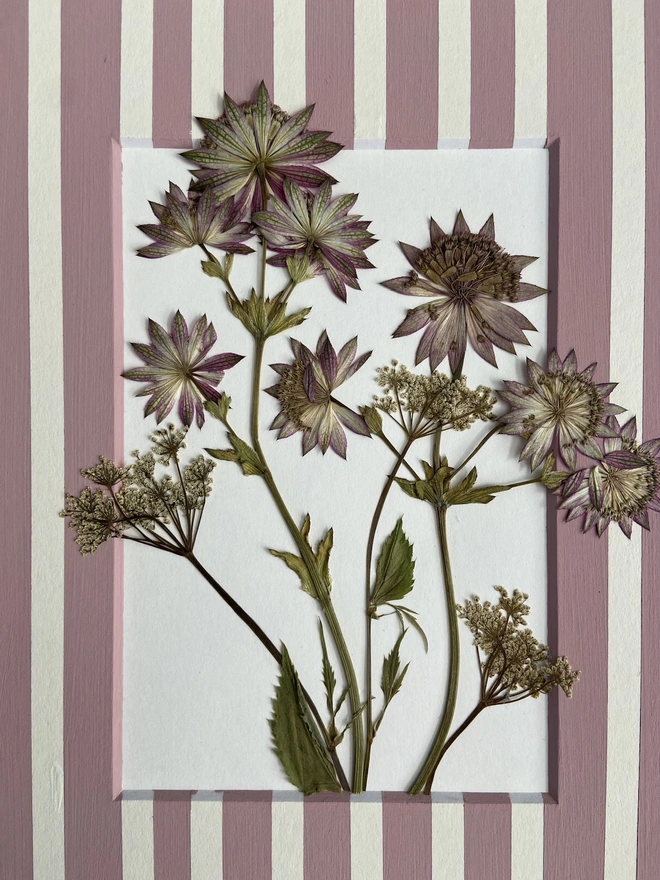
x,y
105,473
306,400
559,402
473,279
509,654
439,399
94,517
319,229
167,442
258,145
176,367
621,488
188,221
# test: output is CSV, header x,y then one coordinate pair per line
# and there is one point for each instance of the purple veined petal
x,y
642,519
152,355
570,362
654,504
626,526
535,372
140,374
159,210
591,519
180,335
538,446
574,513
310,383
460,226
479,342
161,339
320,152
629,430
308,176
337,285
157,250
612,444
577,499
458,344
488,229
425,343
591,449
300,148
328,359
223,136
186,405
345,358
165,407
297,202
338,438
604,388
566,445
239,124
262,117
436,232
351,420
288,429
351,369
206,387
199,341
613,409
310,439
339,208
406,286
525,291
517,389
624,460
411,253
603,430
206,214
602,525
554,362
415,320
520,262
504,319
220,362
572,483
163,234
498,340
322,426
162,399
596,488
319,205
651,446
293,127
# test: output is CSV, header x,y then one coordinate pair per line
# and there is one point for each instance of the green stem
x,y
476,449
411,470
321,588
452,739
424,778
371,728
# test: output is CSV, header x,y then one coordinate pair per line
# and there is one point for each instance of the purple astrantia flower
x,y
472,279
255,145
320,229
305,395
176,367
187,221
621,488
562,403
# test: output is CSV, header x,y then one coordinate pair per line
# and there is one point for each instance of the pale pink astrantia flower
x,y
185,221
561,403
320,229
255,146
176,366
471,279
621,488
305,394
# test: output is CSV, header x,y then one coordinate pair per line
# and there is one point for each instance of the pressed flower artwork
x,y
342,424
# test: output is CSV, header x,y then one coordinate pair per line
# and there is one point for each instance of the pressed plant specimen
x,y
259,194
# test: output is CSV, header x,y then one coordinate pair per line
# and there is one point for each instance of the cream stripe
x,y
526,837
454,73
367,836
208,29
447,836
370,71
289,54
626,367
137,837
287,837
137,39
47,437
206,836
531,73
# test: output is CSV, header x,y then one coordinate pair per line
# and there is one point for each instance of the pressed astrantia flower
x,y
621,488
472,280
305,395
320,229
185,221
255,145
559,402
177,367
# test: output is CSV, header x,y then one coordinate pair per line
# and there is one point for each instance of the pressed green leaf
x,y
218,409
323,557
296,737
411,617
296,564
329,680
550,478
395,569
392,675
481,495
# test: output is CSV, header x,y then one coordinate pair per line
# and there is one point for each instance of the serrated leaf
x,y
392,676
329,680
246,457
323,557
413,488
218,409
296,737
296,564
395,568
214,269
481,495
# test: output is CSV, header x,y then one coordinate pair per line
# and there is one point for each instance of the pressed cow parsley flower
x,y
255,145
559,402
176,367
621,488
187,221
321,230
305,395
472,279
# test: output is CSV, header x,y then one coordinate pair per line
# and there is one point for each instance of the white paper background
x,y
197,684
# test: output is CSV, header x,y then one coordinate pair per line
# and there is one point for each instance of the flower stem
x,y
424,778
321,588
371,729
476,449
251,623
452,739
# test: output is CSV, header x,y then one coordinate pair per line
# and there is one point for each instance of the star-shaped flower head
x,y
306,400
258,144
188,221
621,488
177,367
559,402
472,279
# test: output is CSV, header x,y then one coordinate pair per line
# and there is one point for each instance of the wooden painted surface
x,y
104,69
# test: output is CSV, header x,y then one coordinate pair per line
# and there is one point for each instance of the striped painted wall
x,y
79,74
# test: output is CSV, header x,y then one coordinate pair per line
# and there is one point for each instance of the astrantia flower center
x,y
468,263
292,396
627,491
571,401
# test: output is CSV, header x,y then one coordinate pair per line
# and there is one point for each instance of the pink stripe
x,y
327,837
406,836
15,714
648,853
248,47
329,66
246,835
412,75
492,104
172,835
91,39
580,115
487,840
171,111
